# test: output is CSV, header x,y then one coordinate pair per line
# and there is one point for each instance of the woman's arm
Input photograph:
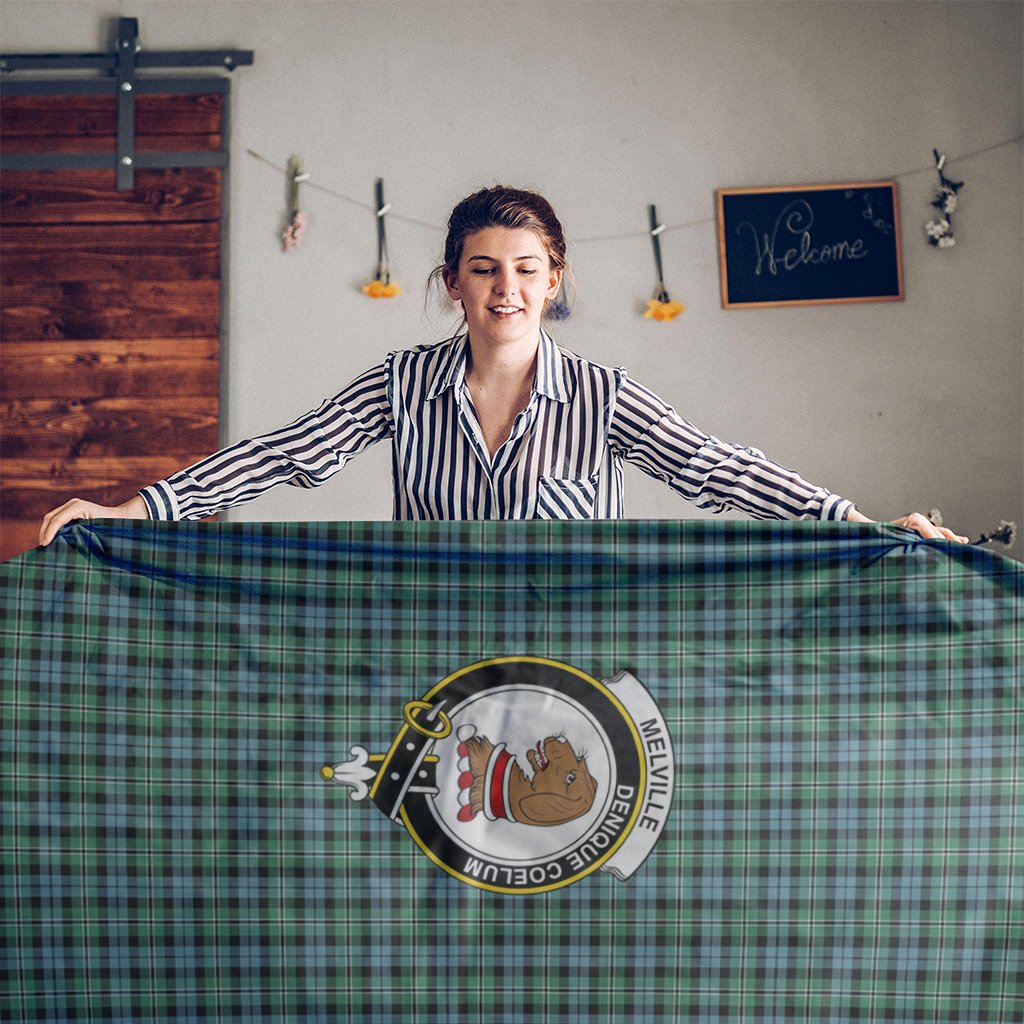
x,y
305,453
717,475
711,473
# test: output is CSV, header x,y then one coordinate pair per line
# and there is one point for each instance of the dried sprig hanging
x,y
559,308
298,219
661,307
940,231
381,287
1005,534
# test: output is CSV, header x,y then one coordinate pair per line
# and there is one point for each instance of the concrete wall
x,y
606,107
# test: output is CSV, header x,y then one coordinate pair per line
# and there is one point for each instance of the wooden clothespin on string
x,y
298,219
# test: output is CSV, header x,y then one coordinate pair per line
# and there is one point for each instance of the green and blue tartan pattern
x,y
845,840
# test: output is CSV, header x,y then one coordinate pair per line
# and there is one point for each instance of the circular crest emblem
x,y
522,775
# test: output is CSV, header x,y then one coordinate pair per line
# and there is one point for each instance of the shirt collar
x,y
550,378
451,370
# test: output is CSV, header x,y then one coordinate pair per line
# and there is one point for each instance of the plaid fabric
x,y
844,843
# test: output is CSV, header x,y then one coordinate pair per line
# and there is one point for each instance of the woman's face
x,y
504,279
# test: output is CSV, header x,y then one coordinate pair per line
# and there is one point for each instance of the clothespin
x,y
297,217
383,270
661,292
295,177
940,163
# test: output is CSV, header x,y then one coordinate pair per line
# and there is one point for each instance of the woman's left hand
x,y
915,521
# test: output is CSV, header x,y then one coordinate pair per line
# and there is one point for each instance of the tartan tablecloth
x,y
842,712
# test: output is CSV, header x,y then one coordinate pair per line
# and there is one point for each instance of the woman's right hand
x,y
76,508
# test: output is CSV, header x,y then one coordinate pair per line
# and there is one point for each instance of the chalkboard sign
x,y
809,245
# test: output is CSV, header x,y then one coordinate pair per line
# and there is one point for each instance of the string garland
x,y
660,308
311,183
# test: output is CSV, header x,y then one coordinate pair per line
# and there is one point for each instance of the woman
x,y
498,422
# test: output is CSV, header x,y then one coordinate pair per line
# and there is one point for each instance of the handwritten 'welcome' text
x,y
796,221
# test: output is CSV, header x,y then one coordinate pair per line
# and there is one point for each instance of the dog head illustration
x,y
492,783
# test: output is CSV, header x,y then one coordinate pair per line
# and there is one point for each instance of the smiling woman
x,y
496,422
504,283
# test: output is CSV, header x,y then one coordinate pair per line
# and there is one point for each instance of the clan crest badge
x,y
523,775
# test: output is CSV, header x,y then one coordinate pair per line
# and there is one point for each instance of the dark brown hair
x,y
500,207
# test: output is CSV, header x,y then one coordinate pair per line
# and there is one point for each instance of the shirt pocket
x,y
560,498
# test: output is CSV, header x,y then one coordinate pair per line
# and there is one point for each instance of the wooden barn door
x,y
111,298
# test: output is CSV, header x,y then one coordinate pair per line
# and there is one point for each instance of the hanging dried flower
x,y
558,308
661,307
298,218
381,287
940,231
1005,534
292,236
663,310
381,290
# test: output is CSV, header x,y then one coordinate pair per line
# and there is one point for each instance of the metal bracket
x,y
123,65
128,46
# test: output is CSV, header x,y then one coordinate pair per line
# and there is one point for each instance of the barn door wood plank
x,y
81,197
106,144
16,535
76,117
98,252
110,368
57,428
93,309
31,483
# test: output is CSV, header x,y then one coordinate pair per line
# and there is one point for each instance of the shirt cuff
x,y
836,508
160,501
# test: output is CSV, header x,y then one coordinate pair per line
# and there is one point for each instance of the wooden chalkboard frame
x,y
805,260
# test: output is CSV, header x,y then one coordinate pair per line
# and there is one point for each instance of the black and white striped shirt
x,y
562,460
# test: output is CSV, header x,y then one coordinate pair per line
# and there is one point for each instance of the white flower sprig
x,y
940,230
